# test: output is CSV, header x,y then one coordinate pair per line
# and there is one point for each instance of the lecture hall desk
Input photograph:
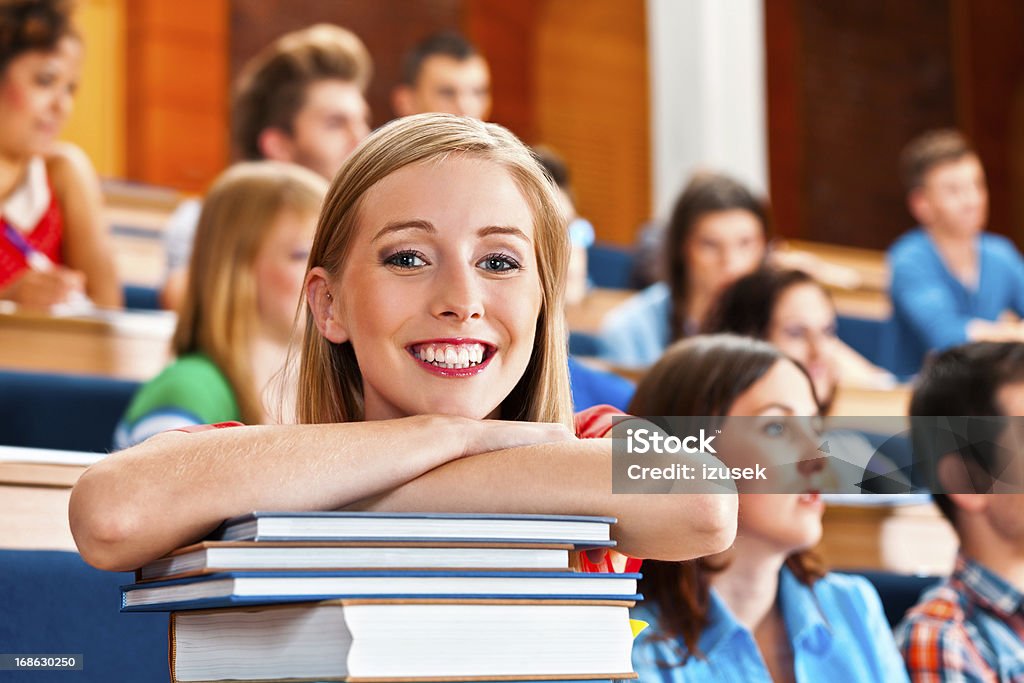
x,y
35,490
118,344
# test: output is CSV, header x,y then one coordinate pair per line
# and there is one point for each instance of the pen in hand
x,y
44,284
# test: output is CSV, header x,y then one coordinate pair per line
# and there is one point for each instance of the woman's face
x,y
440,293
280,268
782,522
36,96
723,246
803,326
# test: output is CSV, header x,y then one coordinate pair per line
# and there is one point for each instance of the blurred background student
x,y
791,310
237,319
764,610
446,74
951,281
718,232
591,386
300,100
54,245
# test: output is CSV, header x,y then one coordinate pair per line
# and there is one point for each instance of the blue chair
x,y
873,339
67,412
141,298
53,603
899,592
610,266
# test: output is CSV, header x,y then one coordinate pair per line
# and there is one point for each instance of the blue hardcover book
x,y
580,531
364,640
260,588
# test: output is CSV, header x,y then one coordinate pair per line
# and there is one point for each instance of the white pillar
x,y
706,62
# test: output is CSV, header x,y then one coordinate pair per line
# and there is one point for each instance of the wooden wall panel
x,y
988,51
97,122
870,75
177,91
591,104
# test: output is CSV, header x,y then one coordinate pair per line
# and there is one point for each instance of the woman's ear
x,y
324,306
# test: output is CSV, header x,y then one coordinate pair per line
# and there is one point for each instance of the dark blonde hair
x,y
272,87
330,382
33,25
220,311
702,377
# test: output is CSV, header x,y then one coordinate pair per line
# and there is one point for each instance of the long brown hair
x,y
330,382
702,376
705,193
220,312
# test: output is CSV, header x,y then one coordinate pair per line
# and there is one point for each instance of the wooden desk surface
x,y
124,345
859,401
587,315
35,489
869,264
910,539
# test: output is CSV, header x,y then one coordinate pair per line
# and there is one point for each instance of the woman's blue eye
x,y
499,263
406,259
774,429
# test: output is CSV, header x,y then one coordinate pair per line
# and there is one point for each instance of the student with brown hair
x,y
300,100
433,372
764,610
951,281
718,232
790,309
444,73
236,322
54,246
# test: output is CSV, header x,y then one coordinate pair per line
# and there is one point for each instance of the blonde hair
x,y
330,382
220,310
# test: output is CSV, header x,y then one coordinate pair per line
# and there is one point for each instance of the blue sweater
x,y
931,307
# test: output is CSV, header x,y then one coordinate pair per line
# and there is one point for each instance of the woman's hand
x,y
484,436
42,289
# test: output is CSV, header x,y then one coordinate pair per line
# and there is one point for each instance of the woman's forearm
x,y
173,489
572,478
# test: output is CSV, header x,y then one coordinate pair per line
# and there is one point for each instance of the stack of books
x,y
392,597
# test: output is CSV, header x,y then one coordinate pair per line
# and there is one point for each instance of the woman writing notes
x,y
53,245
433,372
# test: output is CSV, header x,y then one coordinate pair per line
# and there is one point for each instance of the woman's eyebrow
x,y
398,226
504,230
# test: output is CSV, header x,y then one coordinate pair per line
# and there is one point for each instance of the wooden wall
x,y
98,120
850,83
177,92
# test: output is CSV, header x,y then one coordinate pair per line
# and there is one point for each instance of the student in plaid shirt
x,y
971,627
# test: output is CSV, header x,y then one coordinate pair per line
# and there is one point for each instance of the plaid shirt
x,y
968,629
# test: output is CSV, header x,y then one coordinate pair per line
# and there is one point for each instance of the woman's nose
x,y
458,296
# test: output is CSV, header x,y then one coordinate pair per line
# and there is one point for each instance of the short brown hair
x,y
930,149
27,25
272,87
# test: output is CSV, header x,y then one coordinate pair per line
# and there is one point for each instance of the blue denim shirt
x,y
837,630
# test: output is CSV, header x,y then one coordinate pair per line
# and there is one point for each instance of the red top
x,y
592,423
45,237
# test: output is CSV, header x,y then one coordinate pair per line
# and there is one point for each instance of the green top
x,y
191,390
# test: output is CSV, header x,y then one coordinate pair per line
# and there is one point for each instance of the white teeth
x,y
452,356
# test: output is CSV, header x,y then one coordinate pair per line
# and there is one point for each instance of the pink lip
x,y
489,352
